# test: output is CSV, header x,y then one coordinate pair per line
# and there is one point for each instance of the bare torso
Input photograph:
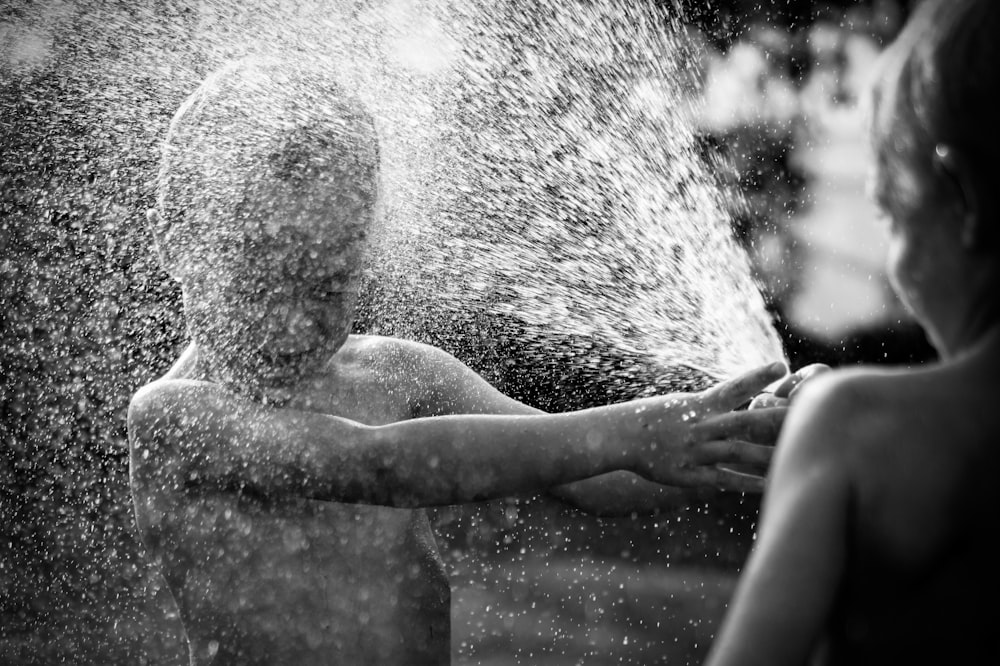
x,y
925,500
295,581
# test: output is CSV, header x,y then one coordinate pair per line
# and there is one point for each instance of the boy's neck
x,y
239,381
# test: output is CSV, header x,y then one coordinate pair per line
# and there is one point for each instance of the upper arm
x,y
788,588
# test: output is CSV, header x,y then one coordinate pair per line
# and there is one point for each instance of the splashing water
x,y
539,170
568,193
539,166
551,177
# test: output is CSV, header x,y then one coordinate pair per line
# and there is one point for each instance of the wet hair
x,y
937,90
254,128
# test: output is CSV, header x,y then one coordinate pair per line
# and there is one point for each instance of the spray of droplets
x,y
539,164
566,189
538,169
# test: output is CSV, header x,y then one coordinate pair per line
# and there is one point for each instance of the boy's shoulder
x,y
386,352
848,413
148,401
427,378
365,345
150,406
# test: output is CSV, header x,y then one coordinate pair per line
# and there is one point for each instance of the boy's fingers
x,y
732,393
782,389
733,451
760,426
727,479
795,380
764,400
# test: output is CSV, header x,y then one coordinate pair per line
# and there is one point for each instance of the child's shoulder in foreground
x,y
911,444
858,411
846,412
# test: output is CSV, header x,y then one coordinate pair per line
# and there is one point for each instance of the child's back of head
x,y
938,91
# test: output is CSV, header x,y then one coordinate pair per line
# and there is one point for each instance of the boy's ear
x,y
158,229
955,167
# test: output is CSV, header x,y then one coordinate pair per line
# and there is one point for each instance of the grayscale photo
x,y
498,332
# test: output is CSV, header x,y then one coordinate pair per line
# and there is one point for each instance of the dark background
x,y
86,317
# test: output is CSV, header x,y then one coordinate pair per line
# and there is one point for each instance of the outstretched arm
x,y
195,434
455,388
199,434
787,589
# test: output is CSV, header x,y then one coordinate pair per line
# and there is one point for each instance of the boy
x,y
873,546
278,468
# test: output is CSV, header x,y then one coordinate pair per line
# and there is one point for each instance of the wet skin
x,y
294,580
266,569
279,578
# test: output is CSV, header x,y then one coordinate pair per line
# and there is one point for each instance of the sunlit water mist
x,y
539,164
539,168
569,193
553,178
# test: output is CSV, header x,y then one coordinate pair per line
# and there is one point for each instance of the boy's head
x,y
936,147
267,189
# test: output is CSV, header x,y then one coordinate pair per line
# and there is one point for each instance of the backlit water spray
x,y
539,161
541,180
566,189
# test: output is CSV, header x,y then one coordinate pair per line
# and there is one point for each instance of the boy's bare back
x,y
916,575
873,546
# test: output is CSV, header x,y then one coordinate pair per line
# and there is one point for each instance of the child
x,y
278,468
873,546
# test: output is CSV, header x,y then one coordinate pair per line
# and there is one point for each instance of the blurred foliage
x,y
754,151
727,20
767,191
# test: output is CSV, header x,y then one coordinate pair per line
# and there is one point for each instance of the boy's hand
x,y
698,440
781,394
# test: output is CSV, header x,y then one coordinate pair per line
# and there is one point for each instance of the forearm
x,y
467,458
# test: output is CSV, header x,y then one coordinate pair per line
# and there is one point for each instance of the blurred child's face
x,y
277,308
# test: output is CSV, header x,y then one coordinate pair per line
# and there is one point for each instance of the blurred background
x,y
86,317
783,100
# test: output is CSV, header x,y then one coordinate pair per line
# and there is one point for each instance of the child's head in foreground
x,y
267,191
936,149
